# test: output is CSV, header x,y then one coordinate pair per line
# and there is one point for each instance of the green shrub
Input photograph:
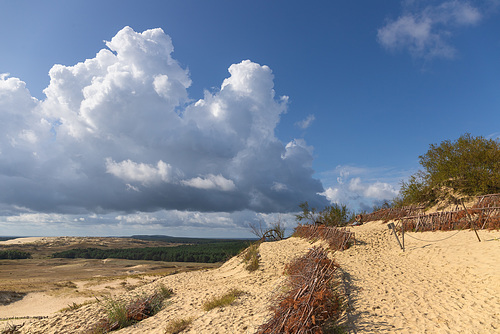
x,y
332,215
468,166
117,313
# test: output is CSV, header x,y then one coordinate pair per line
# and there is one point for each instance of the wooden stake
x,y
403,234
470,220
391,226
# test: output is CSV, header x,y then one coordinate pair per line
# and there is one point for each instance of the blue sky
x,y
195,118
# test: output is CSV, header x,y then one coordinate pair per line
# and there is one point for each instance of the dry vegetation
x,y
224,300
123,313
178,325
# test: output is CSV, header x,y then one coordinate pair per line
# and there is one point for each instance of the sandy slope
x,y
449,286
27,240
192,290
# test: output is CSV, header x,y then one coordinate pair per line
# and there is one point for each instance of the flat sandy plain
x,y
444,282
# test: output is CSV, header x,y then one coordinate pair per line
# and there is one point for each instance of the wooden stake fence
x,y
484,214
480,218
392,213
337,238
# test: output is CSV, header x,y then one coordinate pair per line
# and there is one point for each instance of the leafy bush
x,y
468,166
333,215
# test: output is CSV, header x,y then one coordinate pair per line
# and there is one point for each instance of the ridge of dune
x,y
447,283
191,290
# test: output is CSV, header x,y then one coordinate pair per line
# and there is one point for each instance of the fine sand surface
x,y
435,286
446,286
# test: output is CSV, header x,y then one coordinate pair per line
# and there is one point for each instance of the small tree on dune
x,y
332,215
469,166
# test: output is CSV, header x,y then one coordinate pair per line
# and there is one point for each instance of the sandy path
x,y
448,286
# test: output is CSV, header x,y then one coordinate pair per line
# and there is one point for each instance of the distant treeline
x,y
204,253
14,254
8,238
182,240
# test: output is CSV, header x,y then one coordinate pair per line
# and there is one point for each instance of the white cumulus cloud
x,y
211,182
139,172
119,133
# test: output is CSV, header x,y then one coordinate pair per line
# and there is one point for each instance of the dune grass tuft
x,y
76,306
251,257
224,300
178,325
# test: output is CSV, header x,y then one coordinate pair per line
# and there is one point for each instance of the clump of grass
x,y
165,292
178,325
251,257
67,284
75,306
116,317
121,314
224,300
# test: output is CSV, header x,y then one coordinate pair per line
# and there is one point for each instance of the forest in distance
x,y
201,253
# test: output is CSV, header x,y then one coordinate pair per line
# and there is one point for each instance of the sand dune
x,y
446,286
449,283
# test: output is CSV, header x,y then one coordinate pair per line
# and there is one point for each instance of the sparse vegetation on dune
x,y
75,306
178,325
251,257
224,300
123,313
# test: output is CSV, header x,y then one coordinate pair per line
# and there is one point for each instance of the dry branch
x,y
312,300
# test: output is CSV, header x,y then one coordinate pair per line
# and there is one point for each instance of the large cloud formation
x,y
118,133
